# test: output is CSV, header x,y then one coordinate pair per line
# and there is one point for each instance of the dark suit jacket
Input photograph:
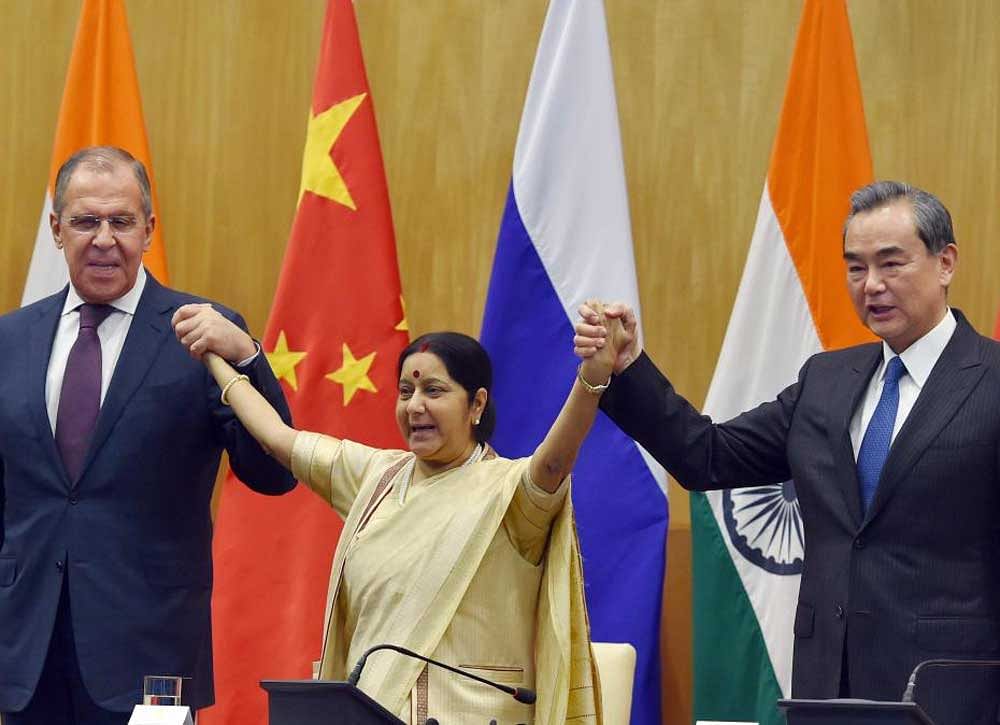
x,y
133,534
918,576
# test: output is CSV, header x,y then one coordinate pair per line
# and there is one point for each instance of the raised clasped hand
x,y
202,329
604,326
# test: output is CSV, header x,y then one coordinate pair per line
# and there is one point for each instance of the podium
x,y
322,702
853,712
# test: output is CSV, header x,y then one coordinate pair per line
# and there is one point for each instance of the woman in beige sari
x,y
448,549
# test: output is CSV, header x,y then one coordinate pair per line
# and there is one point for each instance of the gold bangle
x,y
592,389
231,383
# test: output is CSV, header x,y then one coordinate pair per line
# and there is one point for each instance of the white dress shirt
x,y
919,359
111,332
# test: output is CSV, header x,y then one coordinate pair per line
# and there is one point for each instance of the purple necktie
x,y
80,399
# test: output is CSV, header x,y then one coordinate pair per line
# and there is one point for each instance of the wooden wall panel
x,y
930,76
457,73
33,59
226,91
226,87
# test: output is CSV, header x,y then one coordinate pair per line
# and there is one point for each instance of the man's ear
x,y
150,226
949,260
56,228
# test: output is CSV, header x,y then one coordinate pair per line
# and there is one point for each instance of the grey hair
x,y
103,159
930,217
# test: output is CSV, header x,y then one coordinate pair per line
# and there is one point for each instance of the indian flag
x,y
100,106
748,544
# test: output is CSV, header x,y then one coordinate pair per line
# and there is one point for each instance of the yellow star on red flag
x,y
319,174
353,374
402,325
283,361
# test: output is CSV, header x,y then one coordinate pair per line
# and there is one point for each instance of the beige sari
x,y
474,566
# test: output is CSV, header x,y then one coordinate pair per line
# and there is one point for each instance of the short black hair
x,y
468,364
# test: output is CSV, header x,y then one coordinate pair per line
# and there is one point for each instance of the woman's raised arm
x,y
255,413
212,338
553,460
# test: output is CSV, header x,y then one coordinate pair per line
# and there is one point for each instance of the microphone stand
x,y
521,694
911,684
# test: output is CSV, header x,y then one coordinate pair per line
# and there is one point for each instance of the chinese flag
x,y
100,107
335,331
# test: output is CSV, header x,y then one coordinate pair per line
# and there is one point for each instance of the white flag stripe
x,y
47,273
569,176
770,334
771,331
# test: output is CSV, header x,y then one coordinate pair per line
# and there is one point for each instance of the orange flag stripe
x,y
820,156
101,104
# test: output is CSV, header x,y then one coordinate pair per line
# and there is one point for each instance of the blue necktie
x,y
875,444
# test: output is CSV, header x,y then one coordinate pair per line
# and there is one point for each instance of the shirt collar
x,y
920,357
127,303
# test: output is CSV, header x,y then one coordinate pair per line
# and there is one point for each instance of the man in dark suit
x,y
894,448
110,439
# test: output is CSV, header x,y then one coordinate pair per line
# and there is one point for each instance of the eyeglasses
x,y
91,222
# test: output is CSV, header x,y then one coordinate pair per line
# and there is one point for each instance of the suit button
x,y
859,543
59,565
73,500
839,611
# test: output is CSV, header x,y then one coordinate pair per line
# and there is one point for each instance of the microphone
x,y
912,682
521,694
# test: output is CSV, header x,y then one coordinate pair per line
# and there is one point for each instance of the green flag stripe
x,y
733,676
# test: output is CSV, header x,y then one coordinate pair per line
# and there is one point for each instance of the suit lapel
x,y
854,382
953,377
148,331
40,337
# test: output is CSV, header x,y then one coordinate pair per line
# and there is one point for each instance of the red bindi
x,y
416,374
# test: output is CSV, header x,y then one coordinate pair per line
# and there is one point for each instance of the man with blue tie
x,y
110,438
894,448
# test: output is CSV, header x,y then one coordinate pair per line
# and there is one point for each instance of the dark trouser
x,y
845,677
60,697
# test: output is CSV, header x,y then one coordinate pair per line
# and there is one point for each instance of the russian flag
x,y
566,237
